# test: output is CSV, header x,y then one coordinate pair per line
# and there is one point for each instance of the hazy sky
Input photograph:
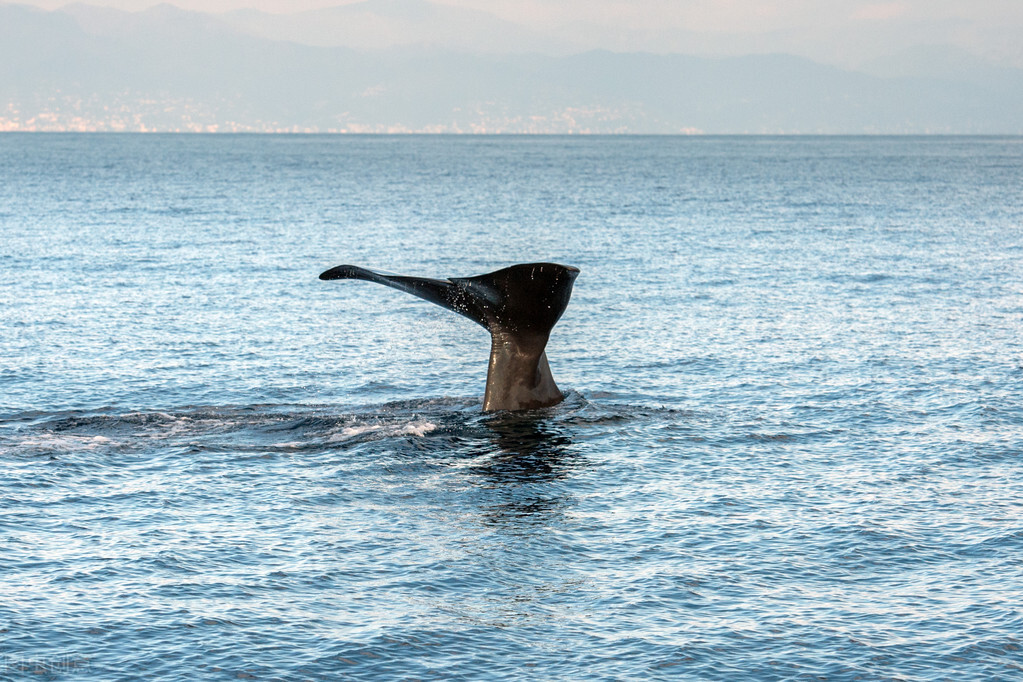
x,y
830,30
701,15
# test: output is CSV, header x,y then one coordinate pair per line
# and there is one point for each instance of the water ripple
x,y
790,447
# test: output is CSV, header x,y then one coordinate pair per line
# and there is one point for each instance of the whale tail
x,y
518,305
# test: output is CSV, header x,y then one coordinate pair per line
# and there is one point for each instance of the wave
x,y
443,424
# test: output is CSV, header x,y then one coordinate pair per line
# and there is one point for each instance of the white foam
x,y
416,428
65,442
294,445
419,429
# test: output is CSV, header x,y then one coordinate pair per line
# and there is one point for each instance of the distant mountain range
x,y
414,66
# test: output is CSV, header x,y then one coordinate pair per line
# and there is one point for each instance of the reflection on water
x,y
528,448
530,456
520,488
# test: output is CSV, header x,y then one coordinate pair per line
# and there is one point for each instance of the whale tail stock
x,y
518,305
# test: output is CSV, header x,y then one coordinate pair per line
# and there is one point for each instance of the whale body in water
x,y
518,305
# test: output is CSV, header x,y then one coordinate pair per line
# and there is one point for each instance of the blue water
x,y
791,447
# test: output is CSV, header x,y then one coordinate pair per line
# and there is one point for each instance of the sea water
x,y
790,449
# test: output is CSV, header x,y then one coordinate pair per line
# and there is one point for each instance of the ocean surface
x,y
792,444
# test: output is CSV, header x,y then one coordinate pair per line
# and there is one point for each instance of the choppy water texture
x,y
791,446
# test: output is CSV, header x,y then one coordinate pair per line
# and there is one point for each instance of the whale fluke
x,y
518,305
